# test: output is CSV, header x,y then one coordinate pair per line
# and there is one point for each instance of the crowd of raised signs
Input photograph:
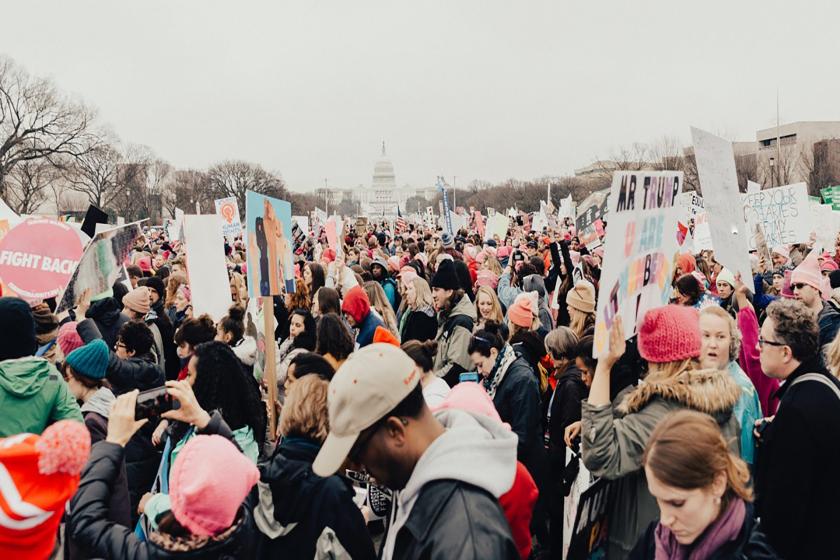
x,y
436,397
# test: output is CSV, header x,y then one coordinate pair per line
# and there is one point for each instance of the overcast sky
x,y
475,89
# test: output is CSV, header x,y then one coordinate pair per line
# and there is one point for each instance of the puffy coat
x,y
301,515
420,324
796,488
453,338
612,447
108,316
750,544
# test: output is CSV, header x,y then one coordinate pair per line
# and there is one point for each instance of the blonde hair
x,y
734,331
497,315
304,412
579,321
174,282
492,264
422,292
832,356
687,450
379,301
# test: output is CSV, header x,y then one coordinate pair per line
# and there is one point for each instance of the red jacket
x,y
518,505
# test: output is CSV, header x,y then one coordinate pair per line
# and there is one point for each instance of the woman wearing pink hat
x,y
669,340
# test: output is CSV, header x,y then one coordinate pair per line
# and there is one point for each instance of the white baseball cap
x,y
371,383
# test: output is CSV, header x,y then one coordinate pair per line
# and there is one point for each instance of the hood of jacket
x,y
23,377
463,307
356,304
246,350
99,402
712,391
106,311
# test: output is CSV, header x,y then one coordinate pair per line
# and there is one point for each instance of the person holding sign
x,y
669,340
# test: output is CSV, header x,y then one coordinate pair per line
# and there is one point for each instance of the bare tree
x,y
235,178
28,184
94,174
36,121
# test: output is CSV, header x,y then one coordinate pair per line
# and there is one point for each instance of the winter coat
x,y
88,524
507,292
420,324
95,412
612,447
167,333
747,411
449,508
138,372
563,410
798,459
389,286
750,362
750,544
33,395
302,515
246,351
828,320
109,318
367,328
453,338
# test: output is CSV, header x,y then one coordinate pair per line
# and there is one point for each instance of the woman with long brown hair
x,y
705,503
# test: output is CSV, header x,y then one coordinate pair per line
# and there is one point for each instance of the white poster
x,y
174,228
567,208
303,223
752,187
784,214
228,209
639,250
826,223
719,182
702,237
209,283
497,225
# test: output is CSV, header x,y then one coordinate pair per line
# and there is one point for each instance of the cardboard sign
x,y
269,248
209,283
784,214
639,250
38,256
361,225
101,264
589,539
228,210
719,180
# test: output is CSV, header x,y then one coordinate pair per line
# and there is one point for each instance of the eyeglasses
x,y
762,342
119,345
797,286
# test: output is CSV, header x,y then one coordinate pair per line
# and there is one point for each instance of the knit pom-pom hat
x,y
64,447
524,309
68,338
670,334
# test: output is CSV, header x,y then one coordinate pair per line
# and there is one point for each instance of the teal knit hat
x,y
90,360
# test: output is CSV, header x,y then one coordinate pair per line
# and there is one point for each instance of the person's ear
x,y
719,485
130,353
397,430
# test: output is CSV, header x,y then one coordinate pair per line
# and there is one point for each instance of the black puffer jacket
x,y
108,316
88,524
419,325
751,544
301,515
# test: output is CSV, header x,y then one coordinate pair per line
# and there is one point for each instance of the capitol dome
x,y
383,173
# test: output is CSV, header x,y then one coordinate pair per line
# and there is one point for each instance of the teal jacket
x,y
747,410
33,395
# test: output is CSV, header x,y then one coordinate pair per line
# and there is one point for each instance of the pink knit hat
x,y
503,252
473,398
68,338
139,299
210,479
524,309
670,334
828,264
782,250
808,272
486,278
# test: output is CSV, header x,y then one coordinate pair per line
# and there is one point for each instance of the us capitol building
x,y
383,195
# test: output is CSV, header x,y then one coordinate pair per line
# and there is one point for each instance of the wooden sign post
x,y
270,368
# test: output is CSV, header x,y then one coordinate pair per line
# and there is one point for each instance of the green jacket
x,y
33,395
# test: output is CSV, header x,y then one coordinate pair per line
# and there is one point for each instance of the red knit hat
x,y
670,334
41,474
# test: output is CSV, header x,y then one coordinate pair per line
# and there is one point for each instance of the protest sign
x,y
101,264
497,225
753,187
639,250
593,207
7,213
702,235
826,223
719,181
93,216
479,223
589,237
303,222
38,256
209,283
334,229
589,539
361,225
692,203
269,248
567,209
783,212
174,228
228,209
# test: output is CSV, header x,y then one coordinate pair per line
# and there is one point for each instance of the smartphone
x,y
153,403
468,376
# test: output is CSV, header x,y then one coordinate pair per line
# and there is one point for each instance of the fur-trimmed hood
x,y
712,391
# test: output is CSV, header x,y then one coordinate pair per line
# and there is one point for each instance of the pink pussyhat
x,y
473,398
808,272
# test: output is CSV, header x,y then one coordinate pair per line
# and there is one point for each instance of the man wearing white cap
x,y
449,468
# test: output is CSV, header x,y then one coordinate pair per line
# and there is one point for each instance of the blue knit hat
x,y
90,360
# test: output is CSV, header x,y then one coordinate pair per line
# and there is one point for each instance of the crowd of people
x,y
436,397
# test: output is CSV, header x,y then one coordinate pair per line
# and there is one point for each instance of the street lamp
x,y
772,171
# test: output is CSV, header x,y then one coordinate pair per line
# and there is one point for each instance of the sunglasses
x,y
797,286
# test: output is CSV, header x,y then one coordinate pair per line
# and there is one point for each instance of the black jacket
x,y
565,407
108,316
298,513
751,544
88,525
828,320
798,459
167,333
453,519
419,326
138,372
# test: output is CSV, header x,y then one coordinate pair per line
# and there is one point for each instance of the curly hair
x,y
222,384
796,326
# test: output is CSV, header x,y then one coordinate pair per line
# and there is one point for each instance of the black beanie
x,y
445,277
18,328
156,284
834,278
